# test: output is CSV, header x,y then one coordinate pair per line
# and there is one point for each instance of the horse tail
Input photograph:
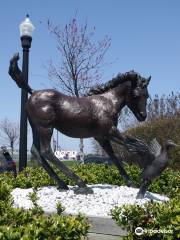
x,y
17,75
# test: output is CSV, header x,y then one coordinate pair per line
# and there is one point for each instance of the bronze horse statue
x,y
94,115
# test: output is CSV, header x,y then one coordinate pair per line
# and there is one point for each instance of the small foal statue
x,y
94,115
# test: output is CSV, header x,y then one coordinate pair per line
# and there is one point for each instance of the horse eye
x,y
136,93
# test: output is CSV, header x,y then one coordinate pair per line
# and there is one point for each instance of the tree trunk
x,y
81,146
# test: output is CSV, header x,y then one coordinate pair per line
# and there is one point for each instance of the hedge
x,y
161,128
151,216
158,220
168,183
15,223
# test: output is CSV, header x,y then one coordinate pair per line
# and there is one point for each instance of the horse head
x,y
138,95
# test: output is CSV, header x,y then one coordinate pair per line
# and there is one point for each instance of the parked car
x,y
7,164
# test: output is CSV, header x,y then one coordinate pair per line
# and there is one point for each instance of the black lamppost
x,y
26,29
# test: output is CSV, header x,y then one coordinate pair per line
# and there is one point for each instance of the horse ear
x,y
146,82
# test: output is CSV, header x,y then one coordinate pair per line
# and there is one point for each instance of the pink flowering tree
x,y
81,59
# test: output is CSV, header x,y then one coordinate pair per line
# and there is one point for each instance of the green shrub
x,y
32,177
27,225
151,216
60,208
166,184
33,224
161,128
5,190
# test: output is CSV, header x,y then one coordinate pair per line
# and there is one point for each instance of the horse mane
x,y
114,82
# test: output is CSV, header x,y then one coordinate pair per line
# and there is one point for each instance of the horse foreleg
x,y
106,145
116,136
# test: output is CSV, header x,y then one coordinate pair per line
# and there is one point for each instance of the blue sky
x,y
145,37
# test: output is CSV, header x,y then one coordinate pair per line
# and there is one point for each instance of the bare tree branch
x,y
81,58
10,133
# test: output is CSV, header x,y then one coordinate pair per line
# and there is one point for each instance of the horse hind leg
x,y
83,189
36,152
47,153
49,170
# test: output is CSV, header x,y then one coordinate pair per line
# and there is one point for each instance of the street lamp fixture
x,y
26,30
26,27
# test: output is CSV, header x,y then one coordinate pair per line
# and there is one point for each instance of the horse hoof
x,y
84,190
60,188
130,184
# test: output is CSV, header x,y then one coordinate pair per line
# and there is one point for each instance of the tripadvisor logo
x,y
139,231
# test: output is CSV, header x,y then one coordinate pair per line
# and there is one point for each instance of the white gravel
x,y
105,197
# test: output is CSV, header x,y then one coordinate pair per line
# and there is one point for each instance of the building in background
x,y
66,155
